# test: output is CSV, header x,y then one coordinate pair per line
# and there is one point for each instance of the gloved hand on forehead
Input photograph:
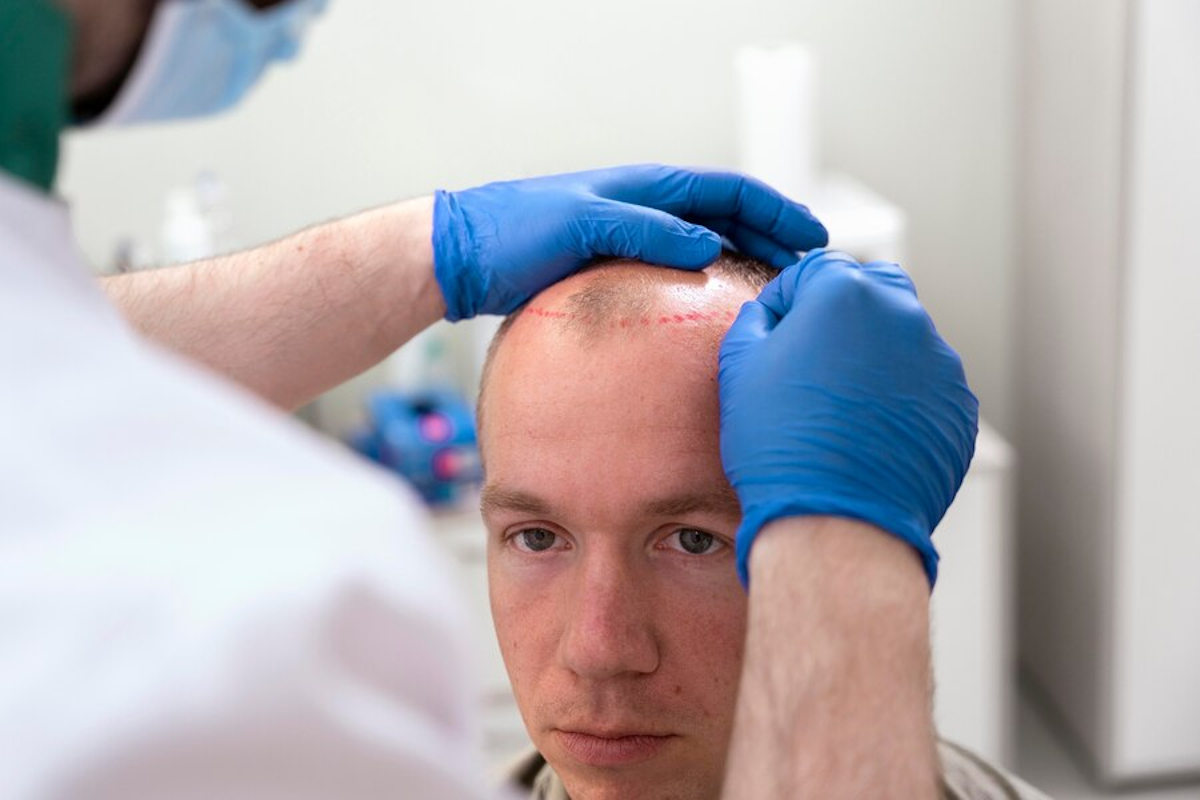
x,y
497,245
839,398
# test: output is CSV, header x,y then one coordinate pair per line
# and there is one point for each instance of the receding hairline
x,y
608,296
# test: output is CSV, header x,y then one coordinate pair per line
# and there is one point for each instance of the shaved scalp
x,y
611,296
610,299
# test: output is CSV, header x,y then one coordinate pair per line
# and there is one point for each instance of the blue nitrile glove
x,y
839,398
496,246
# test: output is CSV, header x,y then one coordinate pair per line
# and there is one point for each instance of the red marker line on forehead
x,y
538,311
628,322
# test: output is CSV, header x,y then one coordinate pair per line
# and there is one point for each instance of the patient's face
x,y
610,553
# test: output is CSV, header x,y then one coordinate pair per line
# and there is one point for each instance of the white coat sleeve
x,y
227,608
198,597
339,675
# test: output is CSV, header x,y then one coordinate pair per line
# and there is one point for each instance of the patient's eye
x,y
535,540
695,542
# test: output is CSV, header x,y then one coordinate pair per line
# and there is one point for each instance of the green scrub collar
x,y
35,57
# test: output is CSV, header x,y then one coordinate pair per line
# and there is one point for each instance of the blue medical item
x,y
497,245
202,56
428,438
840,398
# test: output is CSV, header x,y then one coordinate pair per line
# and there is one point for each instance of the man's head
x,y
611,525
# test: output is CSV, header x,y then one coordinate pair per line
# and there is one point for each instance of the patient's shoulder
x,y
532,777
965,776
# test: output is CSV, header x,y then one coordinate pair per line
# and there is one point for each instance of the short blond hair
x,y
601,302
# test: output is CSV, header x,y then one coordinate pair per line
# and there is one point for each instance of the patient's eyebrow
x,y
500,498
723,502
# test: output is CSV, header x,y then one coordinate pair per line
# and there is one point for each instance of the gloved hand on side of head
x,y
840,398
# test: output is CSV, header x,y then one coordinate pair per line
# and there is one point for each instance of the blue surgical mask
x,y
202,56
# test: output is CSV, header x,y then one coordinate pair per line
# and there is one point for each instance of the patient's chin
x,y
633,790
644,781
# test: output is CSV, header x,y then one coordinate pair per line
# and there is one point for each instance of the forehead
x,y
561,385
628,398
607,331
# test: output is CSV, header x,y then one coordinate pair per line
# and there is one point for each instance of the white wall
x,y
1108,431
1156,641
396,98
1069,339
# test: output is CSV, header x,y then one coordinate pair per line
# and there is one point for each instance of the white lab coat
x,y
198,597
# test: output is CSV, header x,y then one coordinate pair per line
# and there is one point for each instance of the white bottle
x,y
185,234
212,197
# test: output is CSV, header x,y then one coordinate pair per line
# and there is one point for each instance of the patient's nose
x,y
609,631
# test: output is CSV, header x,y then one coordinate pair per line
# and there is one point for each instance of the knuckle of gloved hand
x,y
893,273
657,170
586,207
651,174
846,288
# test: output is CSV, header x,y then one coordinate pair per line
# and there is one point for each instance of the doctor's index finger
x,y
695,193
750,242
781,293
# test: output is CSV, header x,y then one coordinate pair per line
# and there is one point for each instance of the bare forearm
x,y
835,697
296,317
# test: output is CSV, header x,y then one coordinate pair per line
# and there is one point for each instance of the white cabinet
x,y
971,613
1109,430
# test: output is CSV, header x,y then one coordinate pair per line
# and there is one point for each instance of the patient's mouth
x,y
611,750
